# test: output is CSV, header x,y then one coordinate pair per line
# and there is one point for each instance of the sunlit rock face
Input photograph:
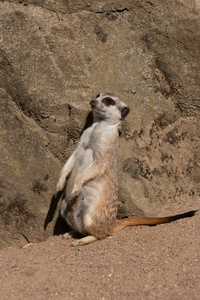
x,y
55,56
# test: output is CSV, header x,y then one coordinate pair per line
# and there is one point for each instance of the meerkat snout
x,y
93,103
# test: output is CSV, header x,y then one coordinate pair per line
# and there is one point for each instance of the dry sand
x,y
160,262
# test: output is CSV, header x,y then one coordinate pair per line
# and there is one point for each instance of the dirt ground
x,y
158,262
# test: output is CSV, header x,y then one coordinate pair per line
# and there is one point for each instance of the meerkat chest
x,y
99,136
97,140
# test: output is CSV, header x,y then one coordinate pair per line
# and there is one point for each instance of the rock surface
x,y
54,57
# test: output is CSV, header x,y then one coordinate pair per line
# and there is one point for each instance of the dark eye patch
x,y
108,101
98,96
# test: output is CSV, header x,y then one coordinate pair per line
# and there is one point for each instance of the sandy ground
x,y
160,262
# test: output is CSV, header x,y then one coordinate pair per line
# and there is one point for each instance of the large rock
x,y
26,176
54,57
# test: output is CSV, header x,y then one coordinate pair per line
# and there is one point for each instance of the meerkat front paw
x,y
59,187
75,191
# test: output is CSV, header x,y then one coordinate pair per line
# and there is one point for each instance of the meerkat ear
x,y
125,111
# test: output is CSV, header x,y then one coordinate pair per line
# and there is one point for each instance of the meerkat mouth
x,y
98,111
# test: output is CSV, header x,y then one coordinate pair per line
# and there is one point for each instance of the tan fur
x,y
90,202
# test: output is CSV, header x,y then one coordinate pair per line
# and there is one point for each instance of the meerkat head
x,y
109,107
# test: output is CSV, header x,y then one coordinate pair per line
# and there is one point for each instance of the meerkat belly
x,y
80,215
96,206
83,160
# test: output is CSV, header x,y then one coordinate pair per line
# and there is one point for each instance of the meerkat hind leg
x,y
85,240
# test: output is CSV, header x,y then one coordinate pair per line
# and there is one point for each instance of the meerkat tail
x,y
134,221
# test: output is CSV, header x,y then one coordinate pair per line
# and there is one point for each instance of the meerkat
x,y
90,200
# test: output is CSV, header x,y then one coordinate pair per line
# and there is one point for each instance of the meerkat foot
x,y
86,240
69,235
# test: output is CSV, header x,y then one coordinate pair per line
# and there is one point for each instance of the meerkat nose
x,y
93,103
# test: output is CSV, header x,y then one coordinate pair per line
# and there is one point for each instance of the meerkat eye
x,y
98,96
108,101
